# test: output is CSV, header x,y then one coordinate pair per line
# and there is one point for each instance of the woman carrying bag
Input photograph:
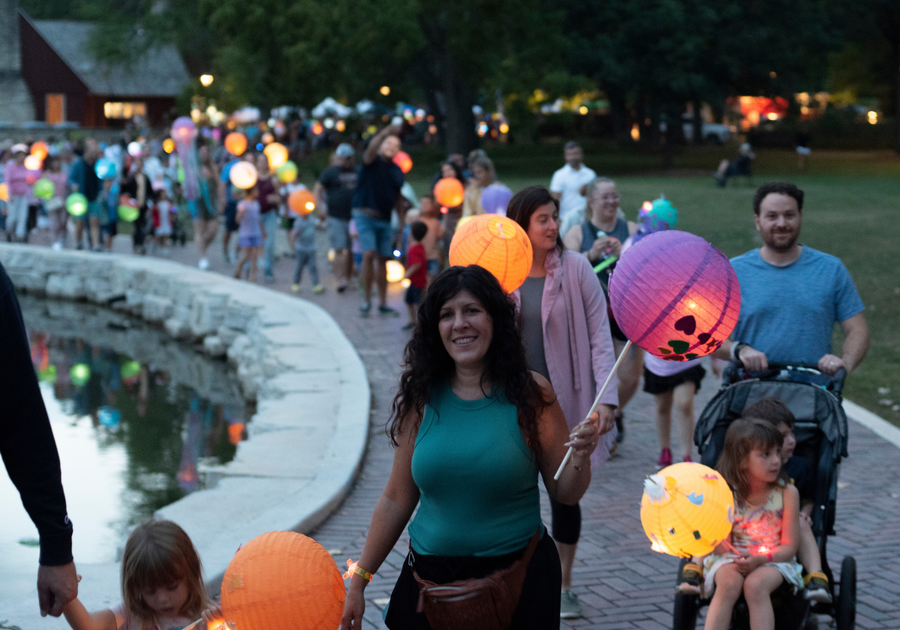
x,y
472,428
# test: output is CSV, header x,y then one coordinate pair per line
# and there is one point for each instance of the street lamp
x,y
206,79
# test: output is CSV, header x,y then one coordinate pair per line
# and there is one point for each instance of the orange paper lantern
x,y
302,202
243,175
449,192
277,154
283,580
40,149
496,243
168,145
687,510
4,192
236,143
403,160
675,295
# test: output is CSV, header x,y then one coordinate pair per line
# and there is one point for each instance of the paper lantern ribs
x,y
675,295
283,580
687,510
497,244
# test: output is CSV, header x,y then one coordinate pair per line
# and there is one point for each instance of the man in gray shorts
x,y
334,194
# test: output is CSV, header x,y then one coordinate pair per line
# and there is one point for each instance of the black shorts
x,y
413,294
231,223
538,607
654,384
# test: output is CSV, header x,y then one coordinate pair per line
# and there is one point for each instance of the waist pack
x,y
486,603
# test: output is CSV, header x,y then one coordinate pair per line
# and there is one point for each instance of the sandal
x,y
691,575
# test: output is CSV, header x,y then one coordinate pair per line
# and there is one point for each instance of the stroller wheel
x,y
845,606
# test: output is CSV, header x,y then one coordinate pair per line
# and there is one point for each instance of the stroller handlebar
x,y
737,372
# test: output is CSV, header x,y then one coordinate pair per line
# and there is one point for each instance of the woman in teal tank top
x,y
473,430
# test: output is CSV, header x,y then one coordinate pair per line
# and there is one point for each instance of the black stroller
x,y
821,432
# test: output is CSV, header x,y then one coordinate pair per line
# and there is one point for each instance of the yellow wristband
x,y
355,569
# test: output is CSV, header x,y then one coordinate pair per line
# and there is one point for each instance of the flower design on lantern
x,y
675,295
687,510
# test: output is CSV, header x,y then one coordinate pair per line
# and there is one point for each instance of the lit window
x,y
124,110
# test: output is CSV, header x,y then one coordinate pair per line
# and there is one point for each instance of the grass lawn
x,y
851,210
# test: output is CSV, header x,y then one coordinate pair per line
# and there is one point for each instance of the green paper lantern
x,y
80,374
130,369
43,188
287,172
77,204
128,211
47,375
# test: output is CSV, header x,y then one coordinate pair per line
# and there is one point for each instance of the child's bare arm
x,y
790,526
80,619
413,269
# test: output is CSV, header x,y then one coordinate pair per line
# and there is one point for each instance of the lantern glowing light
x,y
236,143
184,130
168,145
267,138
395,271
4,192
495,198
675,295
128,210
283,580
287,172
495,243
243,175
40,149
687,509
449,192
403,160
277,154
76,204
80,373
43,188
33,162
302,202
105,168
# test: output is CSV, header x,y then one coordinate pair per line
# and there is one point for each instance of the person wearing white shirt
x,y
568,182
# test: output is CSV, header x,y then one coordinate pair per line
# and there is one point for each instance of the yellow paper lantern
x,y
395,271
243,175
4,192
168,145
449,192
236,143
496,243
687,510
277,154
33,162
283,580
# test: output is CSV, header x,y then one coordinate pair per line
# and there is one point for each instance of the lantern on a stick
x,y
496,243
40,149
449,192
302,202
675,295
687,510
243,175
283,580
403,160
128,209
43,188
277,154
236,143
395,270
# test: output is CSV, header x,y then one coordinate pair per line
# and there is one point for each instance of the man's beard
x,y
774,245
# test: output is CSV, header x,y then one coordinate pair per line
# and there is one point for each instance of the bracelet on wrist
x,y
736,348
354,569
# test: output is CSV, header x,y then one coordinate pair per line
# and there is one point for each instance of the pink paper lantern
x,y
675,295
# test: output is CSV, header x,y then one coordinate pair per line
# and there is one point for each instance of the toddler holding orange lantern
x,y
765,536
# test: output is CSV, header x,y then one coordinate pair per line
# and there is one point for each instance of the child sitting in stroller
x,y
764,539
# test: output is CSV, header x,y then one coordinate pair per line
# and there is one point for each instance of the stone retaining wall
x,y
308,437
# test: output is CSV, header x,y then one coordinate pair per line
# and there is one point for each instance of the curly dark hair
x,y
427,364
777,188
526,202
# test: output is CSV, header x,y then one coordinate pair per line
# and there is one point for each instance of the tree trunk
x,y
618,116
897,102
458,102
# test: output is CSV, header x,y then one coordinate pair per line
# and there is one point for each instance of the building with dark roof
x,y
68,85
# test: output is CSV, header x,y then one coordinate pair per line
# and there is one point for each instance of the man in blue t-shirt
x,y
792,295
377,194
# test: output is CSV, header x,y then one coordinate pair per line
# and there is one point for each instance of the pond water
x,y
135,416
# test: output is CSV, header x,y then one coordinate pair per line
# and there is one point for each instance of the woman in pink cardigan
x,y
565,330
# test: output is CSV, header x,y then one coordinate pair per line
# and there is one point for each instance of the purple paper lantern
x,y
495,198
675,295
184,130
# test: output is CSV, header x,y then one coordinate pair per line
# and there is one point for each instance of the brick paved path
x,y
620,581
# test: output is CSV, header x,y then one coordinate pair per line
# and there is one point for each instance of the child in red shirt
x,y
416,270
